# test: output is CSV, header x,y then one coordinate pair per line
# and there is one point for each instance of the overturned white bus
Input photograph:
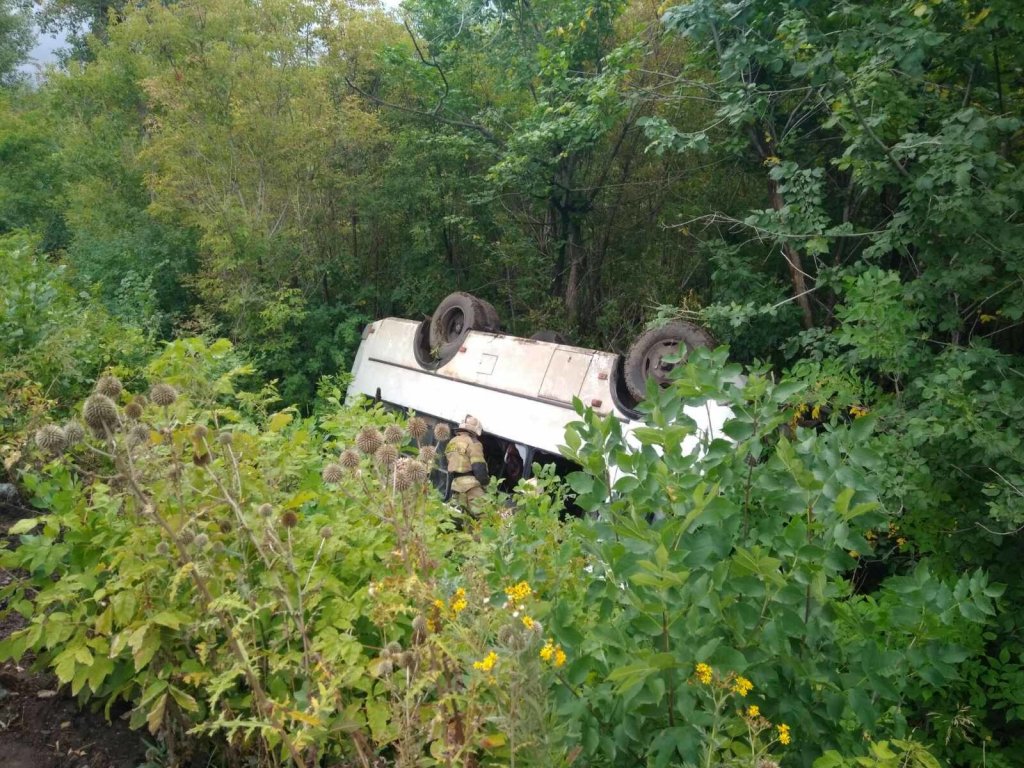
x,y
522,390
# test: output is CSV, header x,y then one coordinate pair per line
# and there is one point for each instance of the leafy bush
x,y
252,586
53,339
740,558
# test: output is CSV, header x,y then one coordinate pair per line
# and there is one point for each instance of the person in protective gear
x,y
466,464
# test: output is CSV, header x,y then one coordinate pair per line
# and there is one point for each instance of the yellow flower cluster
x,y
459,601
753,711
458,605
518,592
528,622
784,737
704,673
486,664
552,653
742,686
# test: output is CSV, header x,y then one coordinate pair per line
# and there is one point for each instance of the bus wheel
x,y
646,358
456,316
552,336
493,321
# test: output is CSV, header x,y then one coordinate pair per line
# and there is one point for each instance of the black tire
x,y
553,336
455,317
645,358
493,321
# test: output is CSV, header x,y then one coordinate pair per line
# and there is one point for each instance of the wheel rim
x,y
654,363
452,323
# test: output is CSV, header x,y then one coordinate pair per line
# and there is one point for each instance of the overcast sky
x,y
44,52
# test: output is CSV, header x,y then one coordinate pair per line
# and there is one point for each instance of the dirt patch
x,y
41,725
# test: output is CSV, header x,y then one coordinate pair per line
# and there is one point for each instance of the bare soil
x,y
41,725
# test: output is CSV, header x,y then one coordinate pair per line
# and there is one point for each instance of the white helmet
x,y
471,424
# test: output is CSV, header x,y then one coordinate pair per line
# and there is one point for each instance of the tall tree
x,y
15,37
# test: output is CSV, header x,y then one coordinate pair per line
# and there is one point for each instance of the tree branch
x,y
486,133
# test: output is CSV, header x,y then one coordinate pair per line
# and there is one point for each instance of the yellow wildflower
x,y
742,686
753,711
784,737
857,411
518,592
901,541
459,602
704,673
528,622
439,604
854,554
486,664
553,653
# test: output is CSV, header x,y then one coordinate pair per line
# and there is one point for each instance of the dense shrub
x,y
54,340
278,589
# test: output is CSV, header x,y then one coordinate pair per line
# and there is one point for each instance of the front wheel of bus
x,y
456,316
647,357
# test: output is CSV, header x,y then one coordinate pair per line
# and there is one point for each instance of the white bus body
x,y
520,389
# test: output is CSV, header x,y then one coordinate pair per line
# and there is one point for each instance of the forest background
x,y
833,188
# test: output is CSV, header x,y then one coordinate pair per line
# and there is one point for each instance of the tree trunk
x,y
792,255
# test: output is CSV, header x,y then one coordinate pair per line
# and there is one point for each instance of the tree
x,y
15,38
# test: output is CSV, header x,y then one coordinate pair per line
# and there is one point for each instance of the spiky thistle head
x,y
201,540
133,410
386,456
326,532
163,395
199,433
74,432
417,471
110,386
403,481
442,432
428,454
369,440
137,435
349,459
225,438
332,473
393,434
406,660
289,519
419,629
506,635
265,510
52,439
100,413
417,428
201,458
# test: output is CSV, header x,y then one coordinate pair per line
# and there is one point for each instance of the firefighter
x,y
466,465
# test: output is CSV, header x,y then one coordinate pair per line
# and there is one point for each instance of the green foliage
x,y
740,557
15,38
52,337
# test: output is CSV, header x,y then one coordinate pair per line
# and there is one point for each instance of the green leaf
x,y
24,525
